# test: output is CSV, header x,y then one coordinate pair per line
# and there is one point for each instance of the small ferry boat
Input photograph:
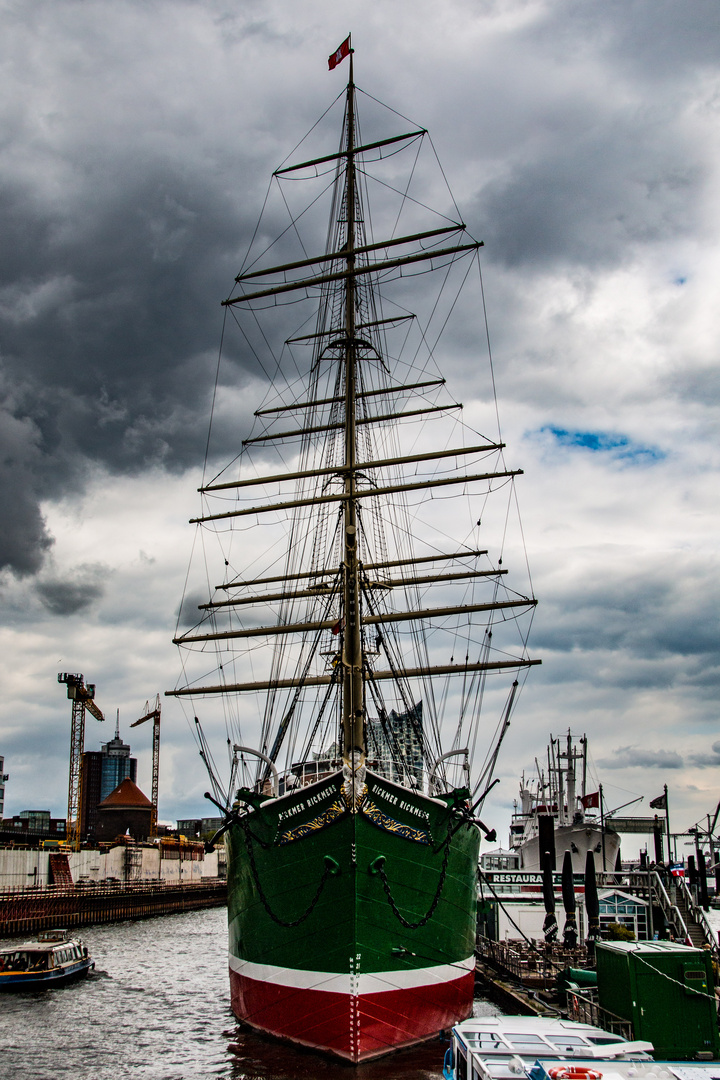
x,y
511,1047
52,960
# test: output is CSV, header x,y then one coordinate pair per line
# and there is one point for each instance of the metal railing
x,y
698,915
670,911
584,1007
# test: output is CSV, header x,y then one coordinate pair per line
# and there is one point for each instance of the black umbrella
x,y
592,904
570,933
550,926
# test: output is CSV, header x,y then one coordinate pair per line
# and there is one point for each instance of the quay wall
x,y
24,867
27,911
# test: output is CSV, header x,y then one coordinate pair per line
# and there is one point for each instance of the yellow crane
x,y
154,715
82,697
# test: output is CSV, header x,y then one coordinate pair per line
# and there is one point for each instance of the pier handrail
x,y
670,910
698,914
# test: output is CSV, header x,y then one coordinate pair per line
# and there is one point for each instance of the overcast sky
x,y
581,142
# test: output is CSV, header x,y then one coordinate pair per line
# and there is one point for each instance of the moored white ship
x,y
559,802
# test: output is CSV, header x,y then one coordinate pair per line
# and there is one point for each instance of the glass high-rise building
x,y
117,765
102,772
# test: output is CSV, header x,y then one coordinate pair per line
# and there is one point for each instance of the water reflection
x,y
157,1008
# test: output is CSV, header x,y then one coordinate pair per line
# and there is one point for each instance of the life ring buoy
x,y
573,1072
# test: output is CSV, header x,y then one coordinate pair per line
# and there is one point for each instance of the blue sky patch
x,y
620,446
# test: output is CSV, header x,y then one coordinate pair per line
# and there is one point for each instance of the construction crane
x,y
82,697
154,715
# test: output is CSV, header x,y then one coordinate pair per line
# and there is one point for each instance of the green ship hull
x,y
352,927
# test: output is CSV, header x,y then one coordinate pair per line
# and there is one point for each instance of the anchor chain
x,y
378,867
331,867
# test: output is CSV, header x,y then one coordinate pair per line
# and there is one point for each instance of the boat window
x,y
568,1040
598,1040
488,1040
525,1039
16,961
461,1072
496,1066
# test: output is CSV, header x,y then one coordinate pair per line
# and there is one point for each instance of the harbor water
x,y
157,1008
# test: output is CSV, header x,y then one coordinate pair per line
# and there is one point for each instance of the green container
x,y
666,991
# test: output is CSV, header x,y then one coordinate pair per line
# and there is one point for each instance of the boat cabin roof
x,y
38,946
508,1047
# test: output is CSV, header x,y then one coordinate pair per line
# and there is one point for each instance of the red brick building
x,y
125,810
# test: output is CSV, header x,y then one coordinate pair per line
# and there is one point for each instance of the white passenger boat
x,y
540,1048
52,960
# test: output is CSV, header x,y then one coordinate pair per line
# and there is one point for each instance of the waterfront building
x,y
126,811
395,745
30,827
200,828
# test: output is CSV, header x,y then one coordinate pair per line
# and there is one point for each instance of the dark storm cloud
x,y
74,592
657,40
24,540
188,614
585,175
589,192
109,321
634,756
705,761
651,612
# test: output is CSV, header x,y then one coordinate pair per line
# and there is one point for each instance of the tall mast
x,y
353,712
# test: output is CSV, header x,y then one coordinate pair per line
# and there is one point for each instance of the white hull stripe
x,y
377,982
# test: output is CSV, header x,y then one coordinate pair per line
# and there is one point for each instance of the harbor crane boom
x,y
82,697
153,715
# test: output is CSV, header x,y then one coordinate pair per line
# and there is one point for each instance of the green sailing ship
x,y
362,619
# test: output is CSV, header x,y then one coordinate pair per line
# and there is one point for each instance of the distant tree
x,y
617,932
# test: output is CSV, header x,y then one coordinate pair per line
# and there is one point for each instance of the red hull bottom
x,y
353,1027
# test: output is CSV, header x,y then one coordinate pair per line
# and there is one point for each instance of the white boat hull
x,y
578,840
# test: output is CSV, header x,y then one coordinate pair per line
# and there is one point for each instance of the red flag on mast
x,y
339,54
590,801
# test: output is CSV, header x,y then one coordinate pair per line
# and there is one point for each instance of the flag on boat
x,y
677,870
339,625
660,803
339,54
590,801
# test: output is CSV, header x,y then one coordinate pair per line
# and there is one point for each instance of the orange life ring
x,y
573,1072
